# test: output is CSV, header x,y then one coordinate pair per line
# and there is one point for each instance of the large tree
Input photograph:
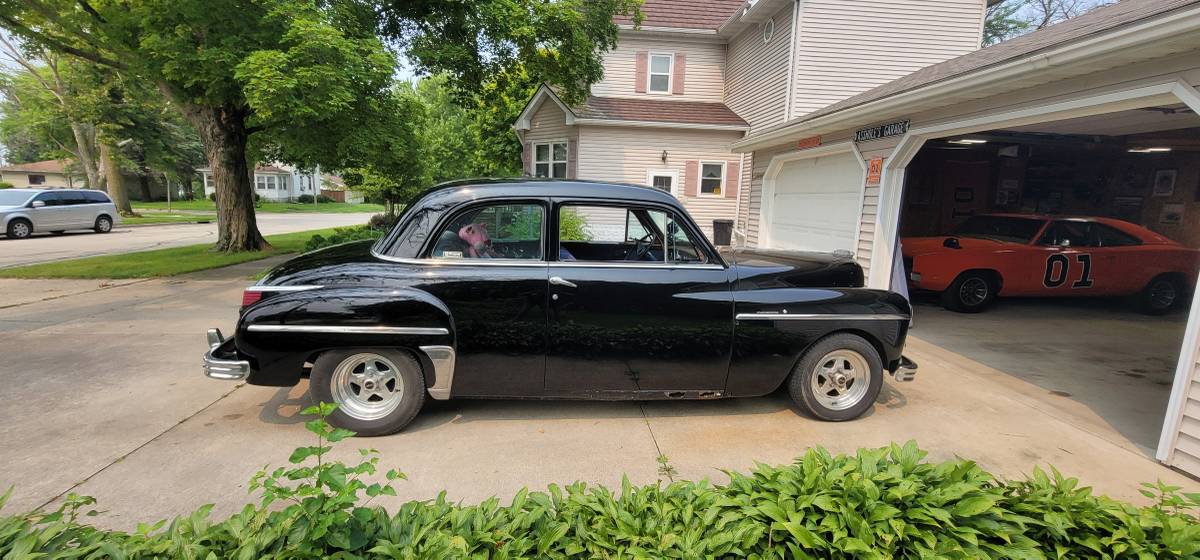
x,y
305,75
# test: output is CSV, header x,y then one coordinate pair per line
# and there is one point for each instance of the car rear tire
x,y
971,292
838,379
103,224
378,392
19,228
1161,295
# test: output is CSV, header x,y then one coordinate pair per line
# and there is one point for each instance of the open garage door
x,y
814,203
1064,255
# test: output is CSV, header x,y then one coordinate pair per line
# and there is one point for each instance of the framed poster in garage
x,y
1164,182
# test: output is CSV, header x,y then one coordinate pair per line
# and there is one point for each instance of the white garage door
x,y
815,204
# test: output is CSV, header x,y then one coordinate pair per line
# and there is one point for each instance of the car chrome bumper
x,y
218,367
906,371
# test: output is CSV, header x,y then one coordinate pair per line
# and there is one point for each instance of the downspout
x,y
791,73
737,206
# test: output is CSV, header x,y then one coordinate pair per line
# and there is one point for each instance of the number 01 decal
x,y
1058,267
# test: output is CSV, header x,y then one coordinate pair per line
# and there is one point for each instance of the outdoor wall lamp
x,y
664,156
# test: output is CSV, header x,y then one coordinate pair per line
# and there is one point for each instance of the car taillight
x,y
251,297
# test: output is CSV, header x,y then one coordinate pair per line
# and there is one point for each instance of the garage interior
x,y
1101,358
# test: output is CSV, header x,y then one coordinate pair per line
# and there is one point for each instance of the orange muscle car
x,y
992,255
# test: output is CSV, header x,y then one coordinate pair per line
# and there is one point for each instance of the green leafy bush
x,y
343,235
5,185
324,199
305,199
878,503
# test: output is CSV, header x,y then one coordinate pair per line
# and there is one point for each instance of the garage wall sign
x,y
898,128
874,171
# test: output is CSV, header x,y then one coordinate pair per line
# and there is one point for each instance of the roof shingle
x,y
653,110
685,14
47,166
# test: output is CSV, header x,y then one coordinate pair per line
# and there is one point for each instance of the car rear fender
x,y
279,334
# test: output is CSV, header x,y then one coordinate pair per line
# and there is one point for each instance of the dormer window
x,y
660,73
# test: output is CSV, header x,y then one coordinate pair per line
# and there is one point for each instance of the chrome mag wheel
x,y
973,291
841,379
367,386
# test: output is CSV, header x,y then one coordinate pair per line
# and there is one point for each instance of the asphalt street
x,y
103,396
75,244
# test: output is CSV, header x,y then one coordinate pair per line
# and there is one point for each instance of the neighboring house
x,y
51,174
274,182
334,187
700,75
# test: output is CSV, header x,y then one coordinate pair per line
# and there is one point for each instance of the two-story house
x,y
699,75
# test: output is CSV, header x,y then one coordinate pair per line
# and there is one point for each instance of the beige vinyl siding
x,y
625,154
549,124
20,180
846,47
704,78
757,73
1185,454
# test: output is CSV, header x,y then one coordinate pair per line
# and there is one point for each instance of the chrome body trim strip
x,y
335,329
443,370
541,263
219,368
819,317
264,288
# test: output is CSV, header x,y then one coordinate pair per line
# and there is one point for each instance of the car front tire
x,y
378,391
19,229
838,379
1161,295
971,292
103,224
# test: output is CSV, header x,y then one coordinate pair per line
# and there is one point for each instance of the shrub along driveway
x,y
104,397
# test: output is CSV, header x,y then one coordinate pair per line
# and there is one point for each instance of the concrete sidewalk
x,y
104,397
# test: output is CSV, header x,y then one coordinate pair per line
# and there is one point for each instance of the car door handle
x,y
557,281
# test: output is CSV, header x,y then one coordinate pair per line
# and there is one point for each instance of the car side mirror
x,y
951,243
38,204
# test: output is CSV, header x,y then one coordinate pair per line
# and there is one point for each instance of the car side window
x,y
493,231
1108,236
623,234
72,198
1067,234
95,197
49,199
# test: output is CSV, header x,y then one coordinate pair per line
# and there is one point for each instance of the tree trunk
x,y
112,175
223,133
85,141
144,183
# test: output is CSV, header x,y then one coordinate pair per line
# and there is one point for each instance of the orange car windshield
x,y
1000,228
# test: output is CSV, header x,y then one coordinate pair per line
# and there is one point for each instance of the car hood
x,y
917,246
10,208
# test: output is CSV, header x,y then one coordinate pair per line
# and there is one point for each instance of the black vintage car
x,y
561,289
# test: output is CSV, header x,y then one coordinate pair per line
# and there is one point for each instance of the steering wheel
x,y
641,248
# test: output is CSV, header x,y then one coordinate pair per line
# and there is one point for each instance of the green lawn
x,y
160,262
167,218
205,204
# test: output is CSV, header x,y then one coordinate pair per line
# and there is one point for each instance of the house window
x,y
208,182
664,180
266,182
660,72
550,160
712,179
37,179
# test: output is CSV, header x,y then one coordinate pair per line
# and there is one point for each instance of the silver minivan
x,y
24,212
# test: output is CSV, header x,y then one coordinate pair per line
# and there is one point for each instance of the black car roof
x,y
470,189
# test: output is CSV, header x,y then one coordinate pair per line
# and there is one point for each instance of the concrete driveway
x,y
75,244
104,397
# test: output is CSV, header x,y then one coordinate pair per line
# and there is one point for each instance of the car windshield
x,y
14,198
999,228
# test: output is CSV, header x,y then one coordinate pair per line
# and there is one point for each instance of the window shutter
x,y
527,158
678,71
639,71
572,158
733,169
691,178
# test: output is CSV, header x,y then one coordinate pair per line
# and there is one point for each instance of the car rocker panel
x,y
440,305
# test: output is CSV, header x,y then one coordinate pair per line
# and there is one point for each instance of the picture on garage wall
x,y
1164,182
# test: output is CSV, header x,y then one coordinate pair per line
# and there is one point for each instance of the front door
x,y
54,215
492,275
639,306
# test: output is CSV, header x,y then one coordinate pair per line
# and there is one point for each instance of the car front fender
x,y
281,333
